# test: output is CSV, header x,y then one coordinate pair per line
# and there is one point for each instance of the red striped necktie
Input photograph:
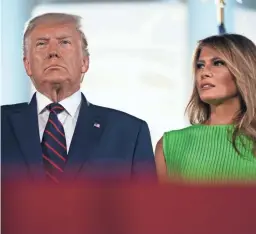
x,y
54,144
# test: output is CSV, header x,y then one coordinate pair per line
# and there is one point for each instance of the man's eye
x,y
40,43
65,42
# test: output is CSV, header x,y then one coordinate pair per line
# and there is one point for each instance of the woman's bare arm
x,y
160,162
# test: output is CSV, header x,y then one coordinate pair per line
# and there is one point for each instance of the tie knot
x,y
55,107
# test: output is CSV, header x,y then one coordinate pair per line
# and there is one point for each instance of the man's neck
x,y
56,93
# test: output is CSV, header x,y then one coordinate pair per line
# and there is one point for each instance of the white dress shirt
x,y
68,117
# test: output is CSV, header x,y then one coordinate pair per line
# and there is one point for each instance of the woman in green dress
x,y
220,144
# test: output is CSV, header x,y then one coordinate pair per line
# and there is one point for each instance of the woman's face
x,y
214,81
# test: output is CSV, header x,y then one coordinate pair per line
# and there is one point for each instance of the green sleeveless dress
x,y
204,153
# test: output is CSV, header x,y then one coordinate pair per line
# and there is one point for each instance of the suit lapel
x,y
89,128
25,125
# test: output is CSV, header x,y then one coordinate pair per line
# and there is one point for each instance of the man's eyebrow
x,y
46,38
63,37
42,38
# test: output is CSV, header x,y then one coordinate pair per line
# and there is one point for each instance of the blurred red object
x,y
116,208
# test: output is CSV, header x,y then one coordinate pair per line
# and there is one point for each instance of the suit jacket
x,y
106,143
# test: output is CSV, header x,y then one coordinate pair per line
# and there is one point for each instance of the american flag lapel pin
x,y
96,125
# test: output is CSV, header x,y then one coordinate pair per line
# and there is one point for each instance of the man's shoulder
x,y
117,114
5,109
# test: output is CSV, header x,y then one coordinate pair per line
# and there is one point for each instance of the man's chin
x,y
55,80
54,84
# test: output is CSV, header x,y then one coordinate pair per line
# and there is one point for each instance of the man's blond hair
x,y
55,18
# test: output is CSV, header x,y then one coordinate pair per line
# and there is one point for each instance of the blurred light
x,y
217,1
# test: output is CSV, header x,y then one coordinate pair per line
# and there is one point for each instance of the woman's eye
x,y
219,63
199,65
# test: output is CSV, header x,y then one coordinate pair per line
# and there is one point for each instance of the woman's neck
x,y
224,113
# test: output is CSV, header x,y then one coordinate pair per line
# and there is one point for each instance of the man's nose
x,y
53,54
53,51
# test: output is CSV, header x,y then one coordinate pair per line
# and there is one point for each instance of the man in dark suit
x,y
59,134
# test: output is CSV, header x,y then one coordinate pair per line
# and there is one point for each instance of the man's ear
x,y
85,64
27,66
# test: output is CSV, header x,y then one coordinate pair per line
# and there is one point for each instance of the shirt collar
x,y
70,103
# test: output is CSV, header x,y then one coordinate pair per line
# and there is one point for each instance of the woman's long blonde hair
x,y
239,54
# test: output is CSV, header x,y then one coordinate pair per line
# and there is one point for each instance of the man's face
x,y
54,55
